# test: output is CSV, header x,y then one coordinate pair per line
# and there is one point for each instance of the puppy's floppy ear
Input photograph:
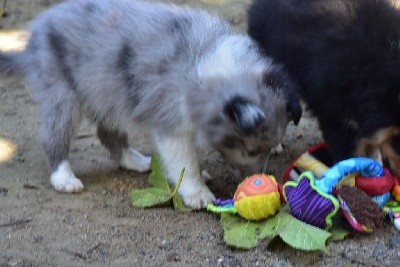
x,y
278,78
247,115
294,108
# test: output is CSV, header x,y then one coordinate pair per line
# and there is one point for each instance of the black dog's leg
x,y
341,138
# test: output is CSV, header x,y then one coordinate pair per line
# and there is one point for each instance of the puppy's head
x,y
243,117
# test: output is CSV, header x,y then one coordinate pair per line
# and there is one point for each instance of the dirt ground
x,y
40,227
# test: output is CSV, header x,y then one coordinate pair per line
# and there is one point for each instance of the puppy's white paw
x,y
64,180
198,198
134,160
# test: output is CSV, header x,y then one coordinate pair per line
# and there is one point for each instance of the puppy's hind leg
x,y
60,117
126,156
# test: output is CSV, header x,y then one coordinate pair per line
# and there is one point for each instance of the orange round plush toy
x,y
257,197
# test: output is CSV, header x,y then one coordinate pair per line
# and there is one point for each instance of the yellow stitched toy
x,y
256,198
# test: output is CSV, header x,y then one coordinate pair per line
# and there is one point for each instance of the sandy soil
x,y
40,227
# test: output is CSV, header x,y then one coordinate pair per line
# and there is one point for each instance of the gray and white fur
x,y
180,74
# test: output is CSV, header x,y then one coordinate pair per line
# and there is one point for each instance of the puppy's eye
x,y
231,143
231,146
254,153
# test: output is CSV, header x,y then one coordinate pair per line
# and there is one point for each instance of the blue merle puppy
x,y
180,74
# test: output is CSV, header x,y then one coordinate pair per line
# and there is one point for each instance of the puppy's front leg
x,y
179,152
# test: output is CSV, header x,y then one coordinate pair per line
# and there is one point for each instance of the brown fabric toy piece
x,y
365,211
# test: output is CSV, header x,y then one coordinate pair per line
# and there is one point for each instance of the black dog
x,y
345,55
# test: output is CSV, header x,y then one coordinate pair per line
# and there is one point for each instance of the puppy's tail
x,y
11,63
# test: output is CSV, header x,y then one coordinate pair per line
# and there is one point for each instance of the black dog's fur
x,y
344,54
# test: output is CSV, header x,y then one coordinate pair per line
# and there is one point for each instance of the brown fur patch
x,y
391,157
379,147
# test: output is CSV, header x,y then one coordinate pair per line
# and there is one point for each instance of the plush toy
x,y
311,200
256,198
396,189
317,190
362,214
375,186
392,209
317,159
308,203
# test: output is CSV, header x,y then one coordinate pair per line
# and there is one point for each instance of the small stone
x,y
163,244
3,191
282,263
397,224
394,241
10,113
173,257
28,186
379,252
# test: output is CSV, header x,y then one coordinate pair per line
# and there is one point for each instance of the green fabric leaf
x,y
179,204
269,227
160,193
238,232
245,234
337,230
338,233
298,234
157,177
150,197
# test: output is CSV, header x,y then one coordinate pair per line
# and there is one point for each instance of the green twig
x,y
3,11
179,183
